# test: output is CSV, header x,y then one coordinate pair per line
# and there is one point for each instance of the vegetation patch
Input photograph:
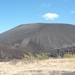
x,y
69,55
42,56
28,56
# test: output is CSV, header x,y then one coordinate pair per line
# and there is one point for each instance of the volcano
x,y
37,38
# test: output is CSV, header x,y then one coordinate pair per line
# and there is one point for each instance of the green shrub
x,y
26,56
69,55
42,56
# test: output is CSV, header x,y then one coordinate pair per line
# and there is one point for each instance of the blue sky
x,y
16,12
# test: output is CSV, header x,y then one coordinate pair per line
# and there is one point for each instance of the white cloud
x,y
45,5
50,16
73,11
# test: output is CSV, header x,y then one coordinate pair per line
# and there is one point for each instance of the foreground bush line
x,y
40,56
43,56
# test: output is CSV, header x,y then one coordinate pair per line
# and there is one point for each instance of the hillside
x,y
54,38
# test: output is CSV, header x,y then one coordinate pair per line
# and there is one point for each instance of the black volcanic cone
x,y
38,37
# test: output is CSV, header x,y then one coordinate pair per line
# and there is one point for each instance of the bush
x,y
69,55
42,56
26,56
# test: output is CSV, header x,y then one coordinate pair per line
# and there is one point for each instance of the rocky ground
x,y
38,67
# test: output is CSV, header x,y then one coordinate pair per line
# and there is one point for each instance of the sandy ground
x,y
37,67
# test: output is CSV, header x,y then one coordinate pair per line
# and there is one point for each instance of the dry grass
x,y
27,67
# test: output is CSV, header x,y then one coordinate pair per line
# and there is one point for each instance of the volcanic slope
x,y
39,37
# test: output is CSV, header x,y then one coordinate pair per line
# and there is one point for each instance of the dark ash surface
x,y
37,38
